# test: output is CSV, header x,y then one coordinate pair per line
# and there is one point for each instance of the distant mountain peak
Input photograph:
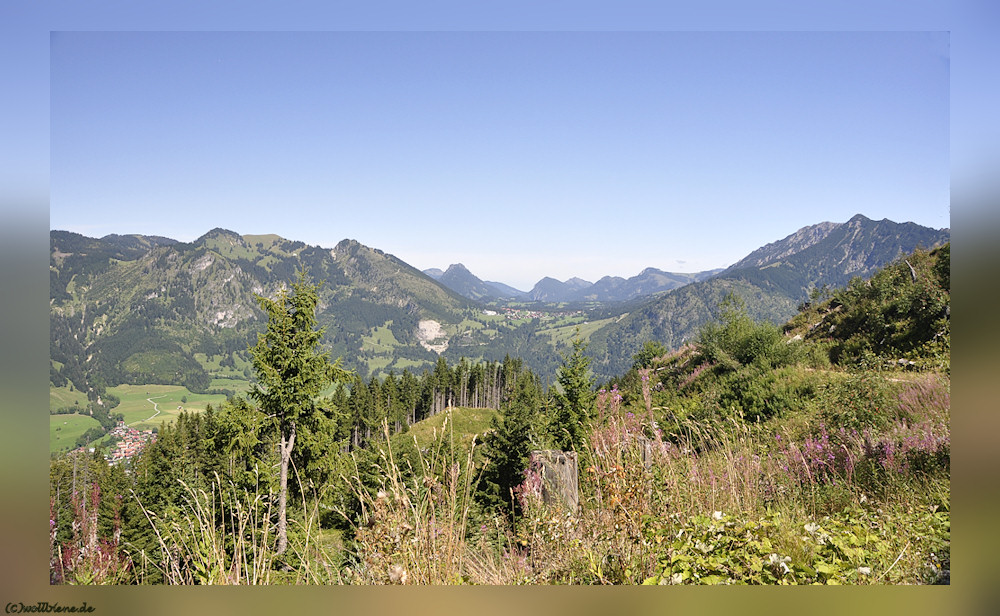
x,y
347,245
219,232
457,268
460,280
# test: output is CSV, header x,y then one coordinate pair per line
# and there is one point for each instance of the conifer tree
x,y
509,442
291,372
410,394
575,402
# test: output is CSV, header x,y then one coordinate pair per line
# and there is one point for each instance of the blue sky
x,y
519,154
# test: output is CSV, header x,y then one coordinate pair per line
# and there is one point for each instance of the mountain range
x,y
147,309
608,289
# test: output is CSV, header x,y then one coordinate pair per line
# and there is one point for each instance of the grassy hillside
x,y
460,423
65,429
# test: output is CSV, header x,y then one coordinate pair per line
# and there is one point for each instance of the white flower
x,y
676,578
397,574
717,515
812,527
865,570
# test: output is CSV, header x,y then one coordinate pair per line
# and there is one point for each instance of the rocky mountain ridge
x,y
145,309
550,290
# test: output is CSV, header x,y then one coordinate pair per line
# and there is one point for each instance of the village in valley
x,y
125,443
517,314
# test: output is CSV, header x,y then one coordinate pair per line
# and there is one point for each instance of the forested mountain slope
x,y
142,309
772,281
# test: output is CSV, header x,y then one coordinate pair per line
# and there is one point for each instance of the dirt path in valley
x,y
156,408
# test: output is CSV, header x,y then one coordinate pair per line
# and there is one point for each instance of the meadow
x,y
139,412
65,429
64,397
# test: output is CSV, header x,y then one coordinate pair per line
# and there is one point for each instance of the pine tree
x,y
410,392
508,445
575,403
291,371
360,411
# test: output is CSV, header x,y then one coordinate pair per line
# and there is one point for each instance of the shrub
x,y
736,340
759,393
863,400
725,549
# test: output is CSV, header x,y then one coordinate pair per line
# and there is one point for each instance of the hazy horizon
x,y
524,285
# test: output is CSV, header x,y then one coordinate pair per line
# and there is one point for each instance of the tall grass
x,y
225,536
413,529
813,504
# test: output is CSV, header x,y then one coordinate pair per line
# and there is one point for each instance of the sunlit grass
x,y
65,429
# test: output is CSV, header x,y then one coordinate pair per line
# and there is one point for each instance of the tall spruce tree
x,y
575,403
291,371
508,444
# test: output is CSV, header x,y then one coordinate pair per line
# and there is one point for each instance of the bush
x,y
736,340
723,549
864,400
762,393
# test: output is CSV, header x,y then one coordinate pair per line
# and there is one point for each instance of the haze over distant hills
x,y
147,309
608,289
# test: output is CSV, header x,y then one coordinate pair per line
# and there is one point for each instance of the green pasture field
x,y
381,339
213,367
62,397
466,422
266,261
566,333
240,386
379,364
267,239
64,430
232,251
468,324
491,319
138,411
416,367
567,321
